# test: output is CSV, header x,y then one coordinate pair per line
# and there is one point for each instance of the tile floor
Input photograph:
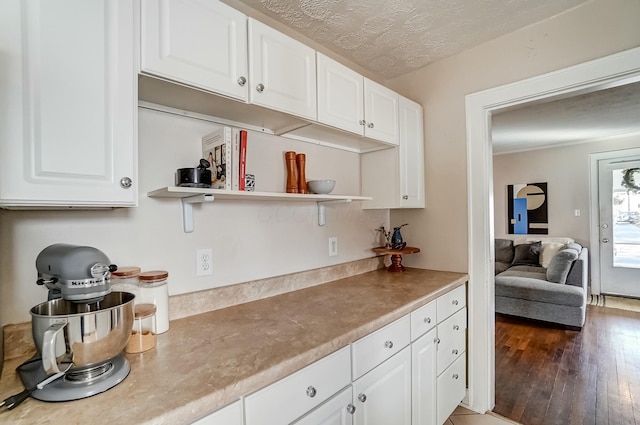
x,y
462,416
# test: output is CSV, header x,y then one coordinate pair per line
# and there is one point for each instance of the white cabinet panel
x,y
381,112
451,302
201,43
293,396
452,335
230,415
451,388
283,72
423,369
69,76
383,396
423,319
411,154
336,411
373,349
340,96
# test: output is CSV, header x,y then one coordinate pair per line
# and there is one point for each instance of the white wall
x,y
566,170
595,29
250,239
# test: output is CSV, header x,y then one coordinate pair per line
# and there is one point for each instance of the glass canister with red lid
x,y
154,290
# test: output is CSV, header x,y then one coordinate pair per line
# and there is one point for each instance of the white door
x,y
69,76
199,43
423,367
411,154
336,411
340,96
381,112
283,72
619,202
383,396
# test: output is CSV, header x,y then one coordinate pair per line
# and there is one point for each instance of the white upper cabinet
x,y
282,70
201,43
381,112
70,94
340,96
411,154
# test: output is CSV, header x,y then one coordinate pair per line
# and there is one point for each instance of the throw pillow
x,y
527,254
560,265
574,246
504,250
548,250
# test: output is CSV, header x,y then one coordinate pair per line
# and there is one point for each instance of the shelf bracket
x,y
322,219
187,209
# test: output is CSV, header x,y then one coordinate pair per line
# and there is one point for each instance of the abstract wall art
x,y
527,209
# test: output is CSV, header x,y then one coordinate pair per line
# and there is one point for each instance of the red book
x,y
243,159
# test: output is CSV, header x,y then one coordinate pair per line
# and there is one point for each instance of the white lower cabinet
x,y
383,396
451,388
230,415
338,410
423,388
299,393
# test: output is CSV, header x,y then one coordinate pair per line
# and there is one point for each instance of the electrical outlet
x,y
333,246
204,262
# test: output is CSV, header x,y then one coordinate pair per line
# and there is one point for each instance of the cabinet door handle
x,y
454,302
454,352
456,327
362,397
388,344
126,182
363,122
437,340
351,408
455,376
370,125
427,320
260,88
311,391
405,197
242,81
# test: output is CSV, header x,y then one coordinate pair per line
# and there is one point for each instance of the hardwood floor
x,y
552,376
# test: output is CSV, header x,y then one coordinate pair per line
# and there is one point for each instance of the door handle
x,y
605,240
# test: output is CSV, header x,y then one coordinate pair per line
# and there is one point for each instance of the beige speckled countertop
x,y
209,360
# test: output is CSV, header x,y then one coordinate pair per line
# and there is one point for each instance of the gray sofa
x,y
556,293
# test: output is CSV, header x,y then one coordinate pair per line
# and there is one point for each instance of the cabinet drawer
x,y
451,388
336,411
422,320
452,336
230,415
451,302
375,348
293,396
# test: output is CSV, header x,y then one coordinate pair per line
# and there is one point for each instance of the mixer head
x,y
77,273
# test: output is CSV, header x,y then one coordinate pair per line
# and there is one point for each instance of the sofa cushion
x,y
574,246
547,251
526,254
503,250
560,265
500,267
533,289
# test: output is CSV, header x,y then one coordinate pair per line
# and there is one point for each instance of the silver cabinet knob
x,y
427,320
454,352
437,340
456,327
405,197
311,391
455,376
351,408
454,302
362,397
260,88
370,125
605,226
362,122
242,81
605,240
388,344
126,182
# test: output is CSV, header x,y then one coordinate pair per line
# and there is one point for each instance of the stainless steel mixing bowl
x,y
86,334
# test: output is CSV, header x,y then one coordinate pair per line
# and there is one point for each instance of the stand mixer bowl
x,y
87,334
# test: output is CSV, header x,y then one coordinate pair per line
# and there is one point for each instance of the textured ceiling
x,y
393,37
586,117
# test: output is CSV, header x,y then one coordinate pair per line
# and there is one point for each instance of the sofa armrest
x,y
579,273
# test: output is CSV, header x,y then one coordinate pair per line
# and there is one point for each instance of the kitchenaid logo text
x,y
88,283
